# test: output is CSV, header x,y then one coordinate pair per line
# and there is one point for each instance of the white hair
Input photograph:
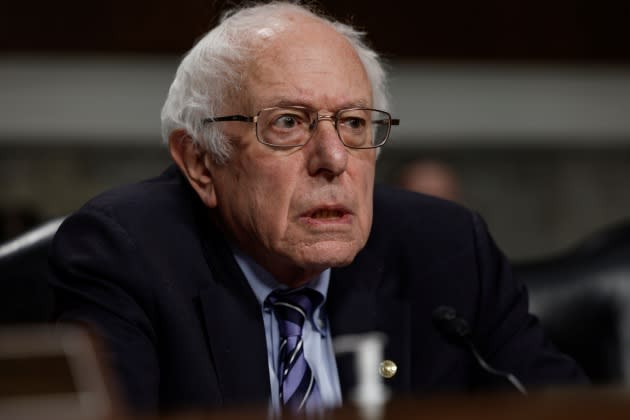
x,y
211,72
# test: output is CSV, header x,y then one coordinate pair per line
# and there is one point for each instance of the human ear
x,y
192,161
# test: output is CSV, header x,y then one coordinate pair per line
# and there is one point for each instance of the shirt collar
x,y
263,283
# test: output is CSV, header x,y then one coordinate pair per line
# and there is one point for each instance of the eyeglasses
x,y
293,126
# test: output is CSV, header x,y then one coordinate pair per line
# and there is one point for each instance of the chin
x,y
325,255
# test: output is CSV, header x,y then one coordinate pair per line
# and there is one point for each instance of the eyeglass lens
x,y
294,126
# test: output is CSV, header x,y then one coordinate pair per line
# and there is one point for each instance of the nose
x,y
327,155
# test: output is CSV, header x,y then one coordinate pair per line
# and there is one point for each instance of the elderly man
x,y
226,279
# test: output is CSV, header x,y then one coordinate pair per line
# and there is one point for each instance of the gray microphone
x,y
457,331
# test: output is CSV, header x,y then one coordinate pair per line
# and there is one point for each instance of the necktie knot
x,y
292,308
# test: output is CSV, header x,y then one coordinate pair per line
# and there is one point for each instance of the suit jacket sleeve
x,y
100,280
507,334
144,267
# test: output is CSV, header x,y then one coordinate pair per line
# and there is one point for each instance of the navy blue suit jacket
x,y
145,266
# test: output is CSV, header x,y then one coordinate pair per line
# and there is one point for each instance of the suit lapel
x,y
365,297
234,327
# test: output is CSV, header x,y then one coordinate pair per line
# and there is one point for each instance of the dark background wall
x,y
582,30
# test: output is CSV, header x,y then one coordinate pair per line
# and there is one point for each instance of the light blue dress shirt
x,y
318,349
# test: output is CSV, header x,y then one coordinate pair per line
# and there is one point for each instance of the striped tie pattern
x,y
297,382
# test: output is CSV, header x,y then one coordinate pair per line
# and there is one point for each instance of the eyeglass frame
x,y
334,118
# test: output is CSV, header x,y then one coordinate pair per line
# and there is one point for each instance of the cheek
x,y
365,185
273,192
368,207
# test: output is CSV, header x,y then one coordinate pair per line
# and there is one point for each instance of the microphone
x,y
456,330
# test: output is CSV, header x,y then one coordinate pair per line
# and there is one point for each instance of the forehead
x,y
306,63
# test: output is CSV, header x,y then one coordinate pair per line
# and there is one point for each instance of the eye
x,y
287,121
353,123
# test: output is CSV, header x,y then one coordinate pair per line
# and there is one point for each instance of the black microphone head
x,y
456,330
451,326
444,313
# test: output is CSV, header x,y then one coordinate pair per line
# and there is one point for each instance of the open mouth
x,y
327,214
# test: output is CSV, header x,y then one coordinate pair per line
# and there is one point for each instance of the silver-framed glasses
x,y
293,126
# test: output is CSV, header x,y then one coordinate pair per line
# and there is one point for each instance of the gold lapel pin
x,y
387,369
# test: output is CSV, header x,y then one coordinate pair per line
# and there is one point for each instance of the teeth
x,y
326,214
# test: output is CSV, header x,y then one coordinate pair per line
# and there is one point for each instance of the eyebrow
x,y
287,102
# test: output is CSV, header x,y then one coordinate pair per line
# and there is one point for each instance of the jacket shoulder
x,y
407,213
164,192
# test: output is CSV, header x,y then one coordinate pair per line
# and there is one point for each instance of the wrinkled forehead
x,y
303,57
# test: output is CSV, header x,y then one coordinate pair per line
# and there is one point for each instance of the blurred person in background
x,y
430,176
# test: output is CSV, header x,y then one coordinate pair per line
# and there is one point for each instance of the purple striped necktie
x,y
297,382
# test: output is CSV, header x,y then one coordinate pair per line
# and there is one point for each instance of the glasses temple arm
x,y
393,121
228,118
